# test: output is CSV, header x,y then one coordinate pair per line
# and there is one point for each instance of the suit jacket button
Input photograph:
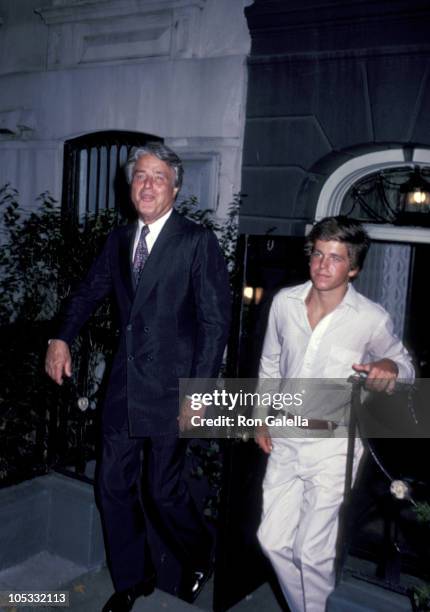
x,y
130,358
129,327
146,329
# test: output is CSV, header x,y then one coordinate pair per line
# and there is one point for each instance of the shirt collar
x,y
351,297
157,226
300,292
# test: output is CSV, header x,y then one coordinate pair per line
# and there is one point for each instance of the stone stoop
x,y
354,595
51,514
51,539
90,592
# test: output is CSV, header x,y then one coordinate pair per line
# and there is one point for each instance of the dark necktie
x,y
141,254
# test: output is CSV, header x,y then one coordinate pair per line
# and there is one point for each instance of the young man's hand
x,y
381,375
264,439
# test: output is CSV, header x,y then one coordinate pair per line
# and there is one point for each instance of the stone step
x,y
88,593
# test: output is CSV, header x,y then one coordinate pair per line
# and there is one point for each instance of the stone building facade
x,y
175,69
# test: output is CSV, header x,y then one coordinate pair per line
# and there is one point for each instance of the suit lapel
x,y
125,257
157,261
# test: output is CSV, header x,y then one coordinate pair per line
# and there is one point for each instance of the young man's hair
x,y
342,229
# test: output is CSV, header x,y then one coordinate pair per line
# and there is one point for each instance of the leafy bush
x,y
40,261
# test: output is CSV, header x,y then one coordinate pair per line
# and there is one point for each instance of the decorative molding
x,y
88,32
67,11
17,122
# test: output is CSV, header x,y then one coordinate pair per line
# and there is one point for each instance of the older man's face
x,y
152,189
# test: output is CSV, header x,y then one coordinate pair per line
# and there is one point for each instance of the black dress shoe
x,y
123,601
145,588
193,583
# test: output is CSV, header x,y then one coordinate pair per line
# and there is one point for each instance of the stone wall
x,y
328,82
174,68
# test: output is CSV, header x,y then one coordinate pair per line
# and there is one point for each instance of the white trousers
x,y
302,491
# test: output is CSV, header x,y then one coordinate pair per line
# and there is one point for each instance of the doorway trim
x,y
339,182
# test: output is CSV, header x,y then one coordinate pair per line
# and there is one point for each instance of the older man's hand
x,y
186,412
58,361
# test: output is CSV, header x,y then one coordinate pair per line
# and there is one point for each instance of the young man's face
x,y
330,265
152,188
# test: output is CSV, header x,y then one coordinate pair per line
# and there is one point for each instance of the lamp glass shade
x,y
414,201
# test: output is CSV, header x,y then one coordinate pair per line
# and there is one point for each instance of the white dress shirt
x,y
154,231
356,331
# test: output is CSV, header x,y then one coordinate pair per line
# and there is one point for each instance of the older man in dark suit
x,y
170,284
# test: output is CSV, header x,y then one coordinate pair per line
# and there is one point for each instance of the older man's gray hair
x,y
160,150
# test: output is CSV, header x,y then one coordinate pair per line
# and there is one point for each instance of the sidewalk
x,y
89,591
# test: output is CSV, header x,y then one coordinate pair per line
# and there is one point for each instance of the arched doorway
x,y
393,276
343,178
397,258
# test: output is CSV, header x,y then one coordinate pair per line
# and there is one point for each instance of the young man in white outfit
x,y
322,329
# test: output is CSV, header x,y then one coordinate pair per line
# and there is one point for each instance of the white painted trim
x,y
337,185
421,156
394,233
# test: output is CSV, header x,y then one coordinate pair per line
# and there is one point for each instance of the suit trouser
x,y
302,492
118,489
